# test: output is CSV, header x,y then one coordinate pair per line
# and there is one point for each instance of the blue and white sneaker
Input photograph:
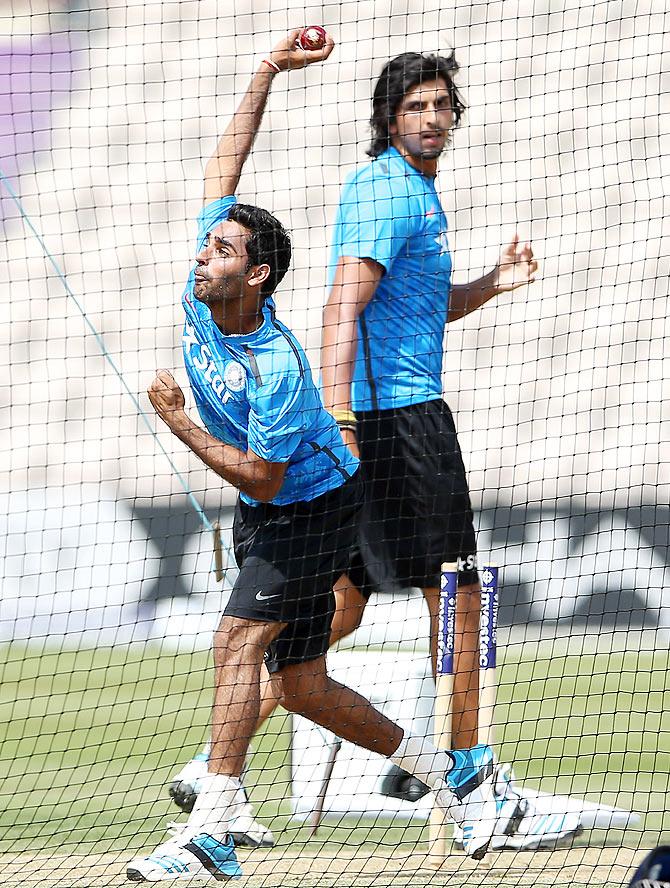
x,y
540,831
187,856
542,824
471,802
244,828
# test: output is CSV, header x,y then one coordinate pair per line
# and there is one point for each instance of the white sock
x,y
212,809
420,757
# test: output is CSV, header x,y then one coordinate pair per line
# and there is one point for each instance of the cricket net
x,y
108,597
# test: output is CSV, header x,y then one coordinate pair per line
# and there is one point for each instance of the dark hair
x,y
268,242
399,76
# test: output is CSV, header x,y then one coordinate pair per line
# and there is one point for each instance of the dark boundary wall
x,y
620,586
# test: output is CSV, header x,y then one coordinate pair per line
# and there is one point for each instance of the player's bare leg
x,y
269,700
349,607
308,690
253,701
185,785
432,598
239,648
461,779
203,846
465,701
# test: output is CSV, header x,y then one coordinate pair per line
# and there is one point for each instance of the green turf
x,y
88,740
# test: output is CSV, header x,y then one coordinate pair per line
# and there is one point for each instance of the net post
x,y
438,831
218,551
317,812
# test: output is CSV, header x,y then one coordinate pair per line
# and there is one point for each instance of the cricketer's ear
x,y
258,274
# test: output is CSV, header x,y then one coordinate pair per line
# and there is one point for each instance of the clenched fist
x,y
166,397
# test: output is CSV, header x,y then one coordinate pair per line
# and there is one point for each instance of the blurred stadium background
x,y
107,601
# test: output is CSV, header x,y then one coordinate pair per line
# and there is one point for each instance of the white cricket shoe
x,y
536,829
188,855
471,802
243,827
246,831
185,785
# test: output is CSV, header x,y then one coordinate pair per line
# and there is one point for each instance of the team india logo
x,y
234,376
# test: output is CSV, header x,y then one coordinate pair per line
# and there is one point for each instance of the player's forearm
x,y
338,352
245,471
354,285
224,168
466,298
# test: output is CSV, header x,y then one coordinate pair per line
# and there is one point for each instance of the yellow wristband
x,y
343,416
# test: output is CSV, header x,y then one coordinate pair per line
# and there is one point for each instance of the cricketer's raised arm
x,y
224,168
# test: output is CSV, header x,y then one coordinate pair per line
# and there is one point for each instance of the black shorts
x,y
289,558
417,512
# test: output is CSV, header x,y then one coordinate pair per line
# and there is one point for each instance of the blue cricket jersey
x,y
255,391
391,213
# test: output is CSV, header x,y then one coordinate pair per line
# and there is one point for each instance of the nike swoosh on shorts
x,y
261,597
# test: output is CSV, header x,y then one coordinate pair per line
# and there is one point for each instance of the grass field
x,y
90,738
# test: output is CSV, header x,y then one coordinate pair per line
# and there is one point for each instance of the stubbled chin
x,y
432,153
200,293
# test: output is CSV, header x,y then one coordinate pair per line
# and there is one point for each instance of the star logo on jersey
x,y
234,376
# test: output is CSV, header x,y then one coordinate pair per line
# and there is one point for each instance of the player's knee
x,y
350,608
293,693
301,690
277,690
295,699
345,623
301,703
239,640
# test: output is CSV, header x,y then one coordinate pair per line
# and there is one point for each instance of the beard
x,y
432,153
209,291
200,291
428,152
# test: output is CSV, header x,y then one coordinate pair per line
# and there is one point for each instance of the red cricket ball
x,y
312,37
